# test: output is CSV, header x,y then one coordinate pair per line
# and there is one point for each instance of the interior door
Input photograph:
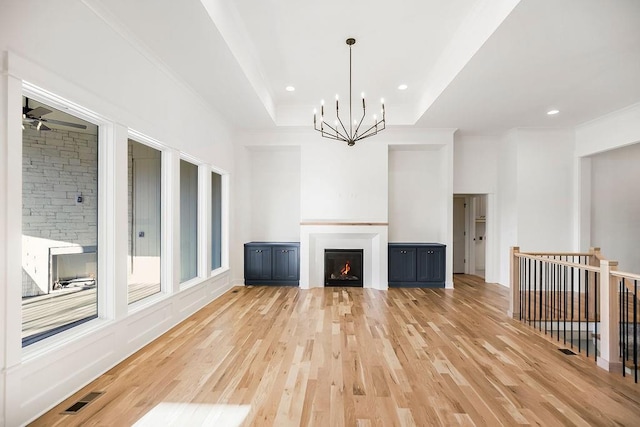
x,y
459,251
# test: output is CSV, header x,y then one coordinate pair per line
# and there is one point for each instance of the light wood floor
x,y
348,356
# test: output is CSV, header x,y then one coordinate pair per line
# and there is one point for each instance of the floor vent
x,y
80,404
567,351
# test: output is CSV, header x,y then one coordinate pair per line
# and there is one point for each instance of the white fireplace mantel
x,y
316,236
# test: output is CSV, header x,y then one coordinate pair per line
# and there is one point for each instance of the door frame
x,y
467,230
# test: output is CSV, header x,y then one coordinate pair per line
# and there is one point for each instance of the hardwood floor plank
x,y
358,357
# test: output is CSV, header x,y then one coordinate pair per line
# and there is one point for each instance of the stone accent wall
x,y
58,165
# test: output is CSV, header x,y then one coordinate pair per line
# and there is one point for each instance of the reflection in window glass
x,y
188,221
145,176
59,221
216,221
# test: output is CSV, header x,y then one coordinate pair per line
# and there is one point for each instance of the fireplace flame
x,y
345,270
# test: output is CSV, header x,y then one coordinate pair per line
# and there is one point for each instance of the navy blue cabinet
x,y
257,262
417,265
402,264
272,263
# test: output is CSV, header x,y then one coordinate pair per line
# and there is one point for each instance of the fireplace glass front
x,y
343,267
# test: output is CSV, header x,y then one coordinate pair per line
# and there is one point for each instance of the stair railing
x,y
626,286
582,300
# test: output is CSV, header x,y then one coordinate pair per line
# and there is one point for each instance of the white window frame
x,y
224,226
105,235
202,252
166,240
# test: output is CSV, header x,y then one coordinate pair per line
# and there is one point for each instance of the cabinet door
x,y
402,264
285,263
257,262
431,264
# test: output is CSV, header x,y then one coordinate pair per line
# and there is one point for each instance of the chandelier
x,y
352,133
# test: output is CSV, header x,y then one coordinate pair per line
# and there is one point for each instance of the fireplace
x,y
72,266
343,267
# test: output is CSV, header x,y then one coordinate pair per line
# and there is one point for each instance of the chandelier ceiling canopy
x,y
351,132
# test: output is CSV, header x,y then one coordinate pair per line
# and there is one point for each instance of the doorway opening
x,y
469,234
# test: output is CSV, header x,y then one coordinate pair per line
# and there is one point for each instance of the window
x,y
59,221
188,221
216,221
144,262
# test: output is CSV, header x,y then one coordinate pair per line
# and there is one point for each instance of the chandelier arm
x,y
364,113
342,137
337,136
366,136
347,134
374,129
324,135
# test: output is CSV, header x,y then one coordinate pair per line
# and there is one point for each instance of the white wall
x,y
507,203
615,208
343,183
545,189
475,164
240,200
71,52
415,195
602,140
275,194
535,193
613,130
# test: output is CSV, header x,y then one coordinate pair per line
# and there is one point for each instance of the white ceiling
x,y
482,66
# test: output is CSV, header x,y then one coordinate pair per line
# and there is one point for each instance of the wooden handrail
x,y
558,253
558,262
624,275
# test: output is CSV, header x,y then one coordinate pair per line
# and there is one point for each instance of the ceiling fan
x,y
33,116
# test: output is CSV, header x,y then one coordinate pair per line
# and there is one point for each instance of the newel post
x,y
595,256
609,358
514,301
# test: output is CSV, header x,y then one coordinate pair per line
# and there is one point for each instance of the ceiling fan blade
x,y
38,112
60,122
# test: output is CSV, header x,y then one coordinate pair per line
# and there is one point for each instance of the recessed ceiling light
x,y
402,87
553,112
290,88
